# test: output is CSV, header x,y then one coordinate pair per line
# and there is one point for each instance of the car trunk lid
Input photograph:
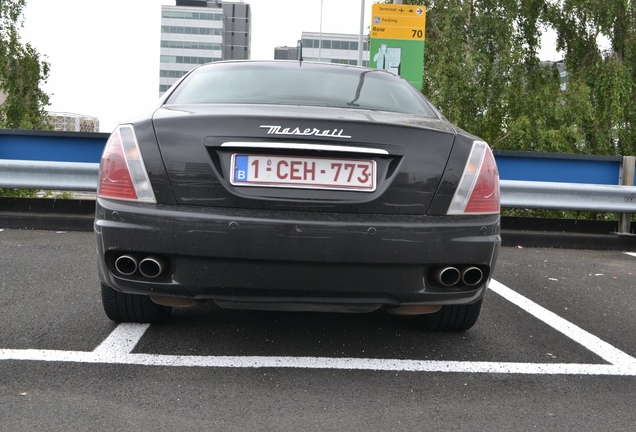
x,y
319,159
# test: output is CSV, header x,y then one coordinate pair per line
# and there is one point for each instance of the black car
x,y
296,186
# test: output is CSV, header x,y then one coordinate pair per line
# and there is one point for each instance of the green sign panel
x,y
397,40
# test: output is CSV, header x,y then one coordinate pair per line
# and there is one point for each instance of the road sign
x,y
398,22
397,40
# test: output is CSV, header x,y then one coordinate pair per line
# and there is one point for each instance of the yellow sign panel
x,y
398,22
408,33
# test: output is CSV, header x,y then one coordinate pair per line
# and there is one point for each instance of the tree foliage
x,y
608,73
22,102
483,71
22,71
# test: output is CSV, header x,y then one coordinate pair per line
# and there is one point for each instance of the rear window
x,y
301,84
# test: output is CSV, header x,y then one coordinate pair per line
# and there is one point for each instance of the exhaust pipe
x,y
126,264
447,276
151,267
472,276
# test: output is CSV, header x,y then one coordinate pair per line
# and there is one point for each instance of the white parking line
x,y
631,253
588,340
116,349
123,339
320,363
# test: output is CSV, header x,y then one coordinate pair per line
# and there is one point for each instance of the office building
x,y
285,53
333,48
195,32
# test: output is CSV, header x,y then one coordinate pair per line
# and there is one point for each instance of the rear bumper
x,y
293,260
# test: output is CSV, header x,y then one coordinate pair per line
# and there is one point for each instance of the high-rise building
x,y
333,48
194,32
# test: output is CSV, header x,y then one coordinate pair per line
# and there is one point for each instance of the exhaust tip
x,y
126,264
447,276
472,276
151,267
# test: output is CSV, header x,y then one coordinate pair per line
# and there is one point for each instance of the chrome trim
x,y
299,146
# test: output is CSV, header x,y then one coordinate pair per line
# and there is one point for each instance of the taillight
x,y
122,173
478,189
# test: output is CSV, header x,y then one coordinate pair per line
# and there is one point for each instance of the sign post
x,y
397,40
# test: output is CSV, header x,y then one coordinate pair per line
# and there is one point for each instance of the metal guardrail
x,y
62,176
68,161
568,196
82,177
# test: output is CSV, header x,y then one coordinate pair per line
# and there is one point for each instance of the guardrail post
x,y
625,219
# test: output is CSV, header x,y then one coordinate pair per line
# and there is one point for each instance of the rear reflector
x,y
122,172
478,189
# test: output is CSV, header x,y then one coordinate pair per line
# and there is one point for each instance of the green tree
x,y
22,71
22,102
599,41
482,70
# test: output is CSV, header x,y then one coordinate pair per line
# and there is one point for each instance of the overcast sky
x,y
104,54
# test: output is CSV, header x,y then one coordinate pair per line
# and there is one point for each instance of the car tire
x,y
132,308
451,318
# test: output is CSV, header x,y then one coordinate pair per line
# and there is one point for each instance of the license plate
x,y
303,172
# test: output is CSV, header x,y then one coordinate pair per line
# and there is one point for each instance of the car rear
x,y
298,205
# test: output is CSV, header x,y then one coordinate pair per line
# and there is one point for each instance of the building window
x,y
190,45
192,15
187,59
343,61
191,30
171,74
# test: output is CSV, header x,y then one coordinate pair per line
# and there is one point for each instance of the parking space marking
x,y
631,253
123,339
394,365
117,348
602,349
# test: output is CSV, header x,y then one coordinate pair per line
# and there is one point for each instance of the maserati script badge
x,y
279,130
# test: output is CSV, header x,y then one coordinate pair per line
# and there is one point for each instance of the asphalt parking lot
x,y
553,349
